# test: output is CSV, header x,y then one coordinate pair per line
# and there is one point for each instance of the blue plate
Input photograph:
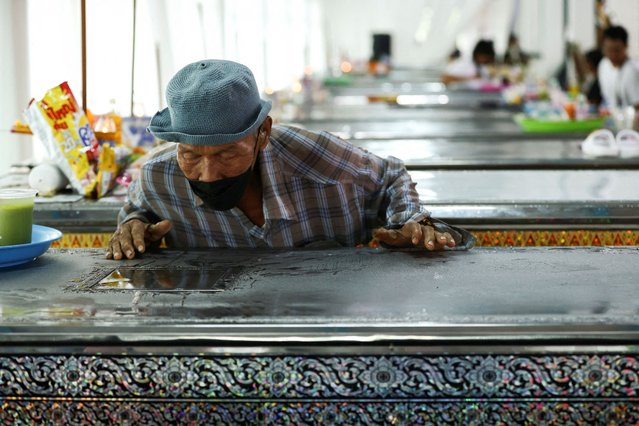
x,y
41,239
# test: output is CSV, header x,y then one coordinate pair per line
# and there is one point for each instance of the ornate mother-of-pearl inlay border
x,y
314,413
324,377
413,389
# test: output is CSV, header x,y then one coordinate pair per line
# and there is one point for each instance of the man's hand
x,y
133,236
414,234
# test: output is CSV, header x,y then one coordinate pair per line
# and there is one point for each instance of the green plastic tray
x,y
532,125
344,80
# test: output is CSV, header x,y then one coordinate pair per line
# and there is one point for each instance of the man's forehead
x,y
613,41
210,149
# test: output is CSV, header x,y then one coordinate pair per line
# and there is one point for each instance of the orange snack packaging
x,y
64,129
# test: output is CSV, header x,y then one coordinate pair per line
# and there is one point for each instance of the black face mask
x,y
223,194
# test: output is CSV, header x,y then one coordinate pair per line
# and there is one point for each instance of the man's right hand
x,y
133,236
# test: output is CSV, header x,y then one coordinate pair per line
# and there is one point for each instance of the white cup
x,y
47,178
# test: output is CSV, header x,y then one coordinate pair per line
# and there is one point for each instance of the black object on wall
x,y
381,46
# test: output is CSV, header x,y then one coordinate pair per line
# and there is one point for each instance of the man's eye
x,y
227,155
189,156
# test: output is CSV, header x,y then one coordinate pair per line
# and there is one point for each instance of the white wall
x,y
349,25
425,31
13,82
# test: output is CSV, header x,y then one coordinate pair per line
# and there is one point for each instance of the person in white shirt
x,y
464,69
618,74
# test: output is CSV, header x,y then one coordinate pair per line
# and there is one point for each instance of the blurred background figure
x,y
590,85
618,74
579,74
380,62
454,55
464,68
514,55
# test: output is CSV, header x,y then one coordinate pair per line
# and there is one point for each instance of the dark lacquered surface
x,y
85,215
469,153
368,293
359,109
398,129
526,186
430,92
562,197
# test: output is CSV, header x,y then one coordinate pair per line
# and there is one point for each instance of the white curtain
x,y
424,32
276,39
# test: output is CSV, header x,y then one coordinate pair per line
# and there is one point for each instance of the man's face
x,y
211,163
484,59
615,50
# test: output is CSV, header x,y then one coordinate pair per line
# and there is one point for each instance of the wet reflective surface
x,y
427,94
491,153
416,128
359,109
168,279
565,197
324,294
537,186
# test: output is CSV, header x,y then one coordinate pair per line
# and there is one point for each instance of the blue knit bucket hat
x,y
210,102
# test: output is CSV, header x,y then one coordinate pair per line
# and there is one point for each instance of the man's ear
x,y
265,131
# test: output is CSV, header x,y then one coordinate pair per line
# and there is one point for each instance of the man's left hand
x,y
414,234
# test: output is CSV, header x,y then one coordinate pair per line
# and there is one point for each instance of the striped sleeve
x,y
137,206
390,192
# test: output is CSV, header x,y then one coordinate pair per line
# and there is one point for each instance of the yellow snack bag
x,y
64,129
107,170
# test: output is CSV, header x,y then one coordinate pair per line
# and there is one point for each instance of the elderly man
x,y
618,74
234,180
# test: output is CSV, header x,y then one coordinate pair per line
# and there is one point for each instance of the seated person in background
x,y
618,74
514,55
463,69
234,180
590,86
581,65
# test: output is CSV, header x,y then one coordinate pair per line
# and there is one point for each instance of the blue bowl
x,y
41,239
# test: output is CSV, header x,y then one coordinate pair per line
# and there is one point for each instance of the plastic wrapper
x,y
107,170
132,170
112,160
90,164
64,129
135,135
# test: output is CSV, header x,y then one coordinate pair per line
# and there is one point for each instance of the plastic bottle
x,y
581,107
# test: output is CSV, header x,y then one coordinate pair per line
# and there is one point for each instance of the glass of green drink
x,y
16,216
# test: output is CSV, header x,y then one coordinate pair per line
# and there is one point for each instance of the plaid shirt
x,y
316,187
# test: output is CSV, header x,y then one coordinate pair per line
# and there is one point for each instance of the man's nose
x,y
210,170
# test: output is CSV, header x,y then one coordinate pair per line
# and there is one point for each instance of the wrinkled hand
x,y
414,234
133,236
